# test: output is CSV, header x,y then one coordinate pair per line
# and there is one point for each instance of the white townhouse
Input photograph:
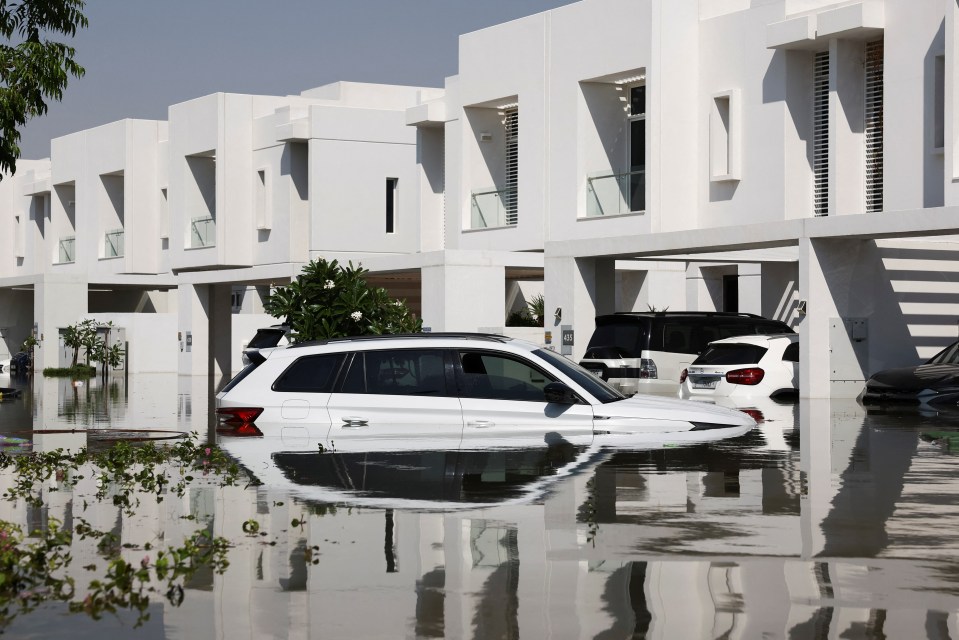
x,y
790,158
795,159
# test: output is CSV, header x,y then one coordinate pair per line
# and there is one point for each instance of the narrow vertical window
x,y
820,138
939,106
635,185
261,201
391,204
18,240
510,200
164,214
874,125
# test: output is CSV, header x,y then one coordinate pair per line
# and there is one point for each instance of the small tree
x,y
80,335
331,301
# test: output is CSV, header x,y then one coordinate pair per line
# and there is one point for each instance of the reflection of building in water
x,y
724,541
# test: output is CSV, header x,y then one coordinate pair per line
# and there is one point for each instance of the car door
x,y
396,400
299,397
504,404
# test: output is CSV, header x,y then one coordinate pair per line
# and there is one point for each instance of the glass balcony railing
x,y
68,247
202,232
113,244
494,209
609,194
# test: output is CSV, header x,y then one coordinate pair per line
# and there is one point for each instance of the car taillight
x,y
683,375
647,369
750,376
240,420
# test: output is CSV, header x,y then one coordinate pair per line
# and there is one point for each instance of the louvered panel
x,y
874,125
820,142
511,125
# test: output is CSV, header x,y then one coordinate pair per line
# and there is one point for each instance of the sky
x,y
142,56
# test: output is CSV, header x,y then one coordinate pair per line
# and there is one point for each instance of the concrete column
x,y
464,297
193,306
751,288
581,289
58,301
221,331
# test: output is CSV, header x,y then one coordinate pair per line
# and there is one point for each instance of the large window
x,y
310,374
397,372
874,125
499,377
820,138
637,148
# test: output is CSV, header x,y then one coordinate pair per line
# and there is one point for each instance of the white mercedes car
x,y
448,391
745,366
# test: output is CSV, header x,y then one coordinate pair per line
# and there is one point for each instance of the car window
x,y
791,354
500,377
397,372
627,336
266,338
584,378
949,355
731,354
678,338
310,374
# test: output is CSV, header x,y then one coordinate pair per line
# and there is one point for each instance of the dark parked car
x,y
21,362
934,382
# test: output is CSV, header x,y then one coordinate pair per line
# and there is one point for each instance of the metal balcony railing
x,y
113,244
610,194
202,232
68,246
494,209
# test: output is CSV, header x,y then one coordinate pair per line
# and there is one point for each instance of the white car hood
x,y
641,409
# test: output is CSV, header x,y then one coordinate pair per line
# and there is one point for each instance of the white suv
x,y
448,391
745,366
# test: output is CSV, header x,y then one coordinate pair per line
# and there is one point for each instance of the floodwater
x,y
827,521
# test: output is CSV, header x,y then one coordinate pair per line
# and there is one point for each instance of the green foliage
x,y
331,301
76,372
531,316
29,343
36,568
33,67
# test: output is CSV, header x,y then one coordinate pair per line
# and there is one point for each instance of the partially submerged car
x,y
449,391
745,366
934,382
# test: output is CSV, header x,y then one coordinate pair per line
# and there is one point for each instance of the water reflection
x,y
827,521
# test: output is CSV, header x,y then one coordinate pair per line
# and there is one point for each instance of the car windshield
x,y
731,354
595,386
949,355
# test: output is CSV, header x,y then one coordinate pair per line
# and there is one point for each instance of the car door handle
x,y
355,422
481,424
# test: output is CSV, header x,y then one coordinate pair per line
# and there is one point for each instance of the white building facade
x,y
790,158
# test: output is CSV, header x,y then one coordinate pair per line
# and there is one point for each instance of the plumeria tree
x,y
328,300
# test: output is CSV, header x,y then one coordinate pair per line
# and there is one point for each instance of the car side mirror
x,y
559,393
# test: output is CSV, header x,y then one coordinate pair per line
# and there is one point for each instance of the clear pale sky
x,y
143,56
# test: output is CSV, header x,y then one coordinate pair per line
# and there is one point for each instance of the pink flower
x,y
145,562
207,451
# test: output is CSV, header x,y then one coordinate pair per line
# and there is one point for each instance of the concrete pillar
x,y
464,297
221,331
580,289
193,307
58,301
751,288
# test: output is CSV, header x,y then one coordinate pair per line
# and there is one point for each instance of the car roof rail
x,y
463,335
707,314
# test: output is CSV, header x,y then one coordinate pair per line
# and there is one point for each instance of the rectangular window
x,y
874,125
510,200
164,215
820,138
391,204
723,137
18,240
261,201
939,115
636,182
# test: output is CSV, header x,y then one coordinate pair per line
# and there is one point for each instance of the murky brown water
x,y
824,522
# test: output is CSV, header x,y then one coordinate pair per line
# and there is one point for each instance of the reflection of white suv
x,y
746,366
448,391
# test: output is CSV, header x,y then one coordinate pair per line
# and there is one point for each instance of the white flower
x,y
329,284
356,315
398,303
